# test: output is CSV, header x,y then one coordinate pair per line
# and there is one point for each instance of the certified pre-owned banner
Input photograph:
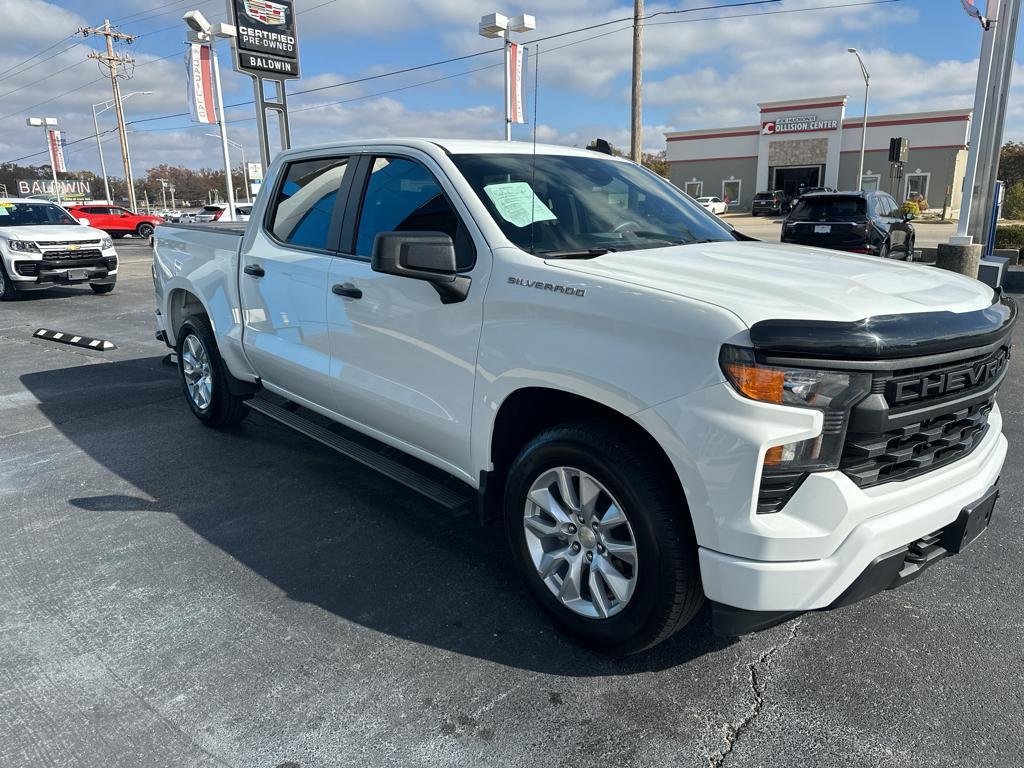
x,y
200,84
266,45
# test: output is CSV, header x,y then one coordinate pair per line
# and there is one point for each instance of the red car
x,y
117,221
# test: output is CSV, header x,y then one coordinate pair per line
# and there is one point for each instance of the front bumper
x,y
40,274
887,571
892,516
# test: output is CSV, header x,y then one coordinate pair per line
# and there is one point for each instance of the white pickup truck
x,y
660,409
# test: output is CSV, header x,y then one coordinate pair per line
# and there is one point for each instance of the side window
x,y
403,196
304,207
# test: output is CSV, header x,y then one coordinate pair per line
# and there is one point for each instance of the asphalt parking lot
x,y
172,595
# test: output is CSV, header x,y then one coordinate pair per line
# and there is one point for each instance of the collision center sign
x,y
800,124
266,45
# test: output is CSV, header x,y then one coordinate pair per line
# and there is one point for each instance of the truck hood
x,y
764,281
51,233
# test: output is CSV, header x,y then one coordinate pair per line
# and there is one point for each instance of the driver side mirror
x,y
908,217
124,215
428,256
84,222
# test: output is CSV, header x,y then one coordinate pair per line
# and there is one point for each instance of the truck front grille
x,y
916,448
89,255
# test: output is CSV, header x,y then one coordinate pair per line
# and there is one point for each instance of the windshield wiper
x,y
585,253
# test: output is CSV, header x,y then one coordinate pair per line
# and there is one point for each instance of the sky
x,y
705,68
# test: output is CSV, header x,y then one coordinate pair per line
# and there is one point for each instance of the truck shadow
x,y
318,526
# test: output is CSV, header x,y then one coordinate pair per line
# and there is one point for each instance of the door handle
x,y
347,290
254,269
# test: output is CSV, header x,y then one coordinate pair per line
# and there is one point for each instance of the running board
x,y
438,491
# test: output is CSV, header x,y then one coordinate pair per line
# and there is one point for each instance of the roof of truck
x,y
463,146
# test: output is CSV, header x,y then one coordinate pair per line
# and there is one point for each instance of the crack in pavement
x,y
758,685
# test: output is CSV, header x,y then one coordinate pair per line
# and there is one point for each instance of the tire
x,y
118,235
206,384
101,288
7,290
658,593
144,230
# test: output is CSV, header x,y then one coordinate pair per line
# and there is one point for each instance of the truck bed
x,y
220,227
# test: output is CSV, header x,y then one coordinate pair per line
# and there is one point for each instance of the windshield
x,y
33,215
585,204
829,209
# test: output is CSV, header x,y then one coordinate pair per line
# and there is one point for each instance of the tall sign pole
x,y
266,48
992,132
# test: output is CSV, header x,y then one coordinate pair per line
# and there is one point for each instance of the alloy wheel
x,y
581,542
195,365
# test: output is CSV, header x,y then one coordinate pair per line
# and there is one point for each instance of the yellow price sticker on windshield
x,y
7,205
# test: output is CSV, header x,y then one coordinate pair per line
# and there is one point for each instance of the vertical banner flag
x,y
974,12
56,151
515,64
200,84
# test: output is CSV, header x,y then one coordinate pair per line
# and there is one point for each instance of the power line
x,y
14,69
458,58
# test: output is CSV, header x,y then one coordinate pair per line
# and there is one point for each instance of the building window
x,y
731,192
870,183
917,184
694,188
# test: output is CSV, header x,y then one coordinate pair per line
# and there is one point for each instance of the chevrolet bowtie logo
x,y
73,247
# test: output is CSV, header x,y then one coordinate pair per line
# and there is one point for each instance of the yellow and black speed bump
x,y
75,340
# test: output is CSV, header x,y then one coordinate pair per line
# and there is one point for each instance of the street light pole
x,y
99,145
99,148
498,25
48,124
864,125
245,173
636,102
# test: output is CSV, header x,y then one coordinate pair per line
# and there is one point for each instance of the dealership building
x,y
804,143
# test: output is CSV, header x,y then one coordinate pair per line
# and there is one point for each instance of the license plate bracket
x,y
822,229
971,523
78,274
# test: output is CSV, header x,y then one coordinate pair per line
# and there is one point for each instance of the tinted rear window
x,y
830,208
764,196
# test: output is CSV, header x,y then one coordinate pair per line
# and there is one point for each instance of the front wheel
x,y
204,377
7,290
144,230
101,287
602,538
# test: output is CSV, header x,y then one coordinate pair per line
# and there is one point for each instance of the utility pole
x,y
174,205
163,192
636,122
111,61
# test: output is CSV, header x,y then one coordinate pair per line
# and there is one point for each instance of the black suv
x,y
773,203
860,222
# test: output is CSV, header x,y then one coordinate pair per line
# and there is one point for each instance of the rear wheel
x,y
101,288
204,377
602,539
144,230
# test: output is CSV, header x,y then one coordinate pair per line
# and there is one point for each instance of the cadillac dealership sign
x,y
800,124
266,45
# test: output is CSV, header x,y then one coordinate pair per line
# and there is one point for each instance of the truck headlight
x,y
831,392
24,246
106,242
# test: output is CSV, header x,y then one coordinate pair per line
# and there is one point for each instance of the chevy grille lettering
x,y
945,382
542,286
